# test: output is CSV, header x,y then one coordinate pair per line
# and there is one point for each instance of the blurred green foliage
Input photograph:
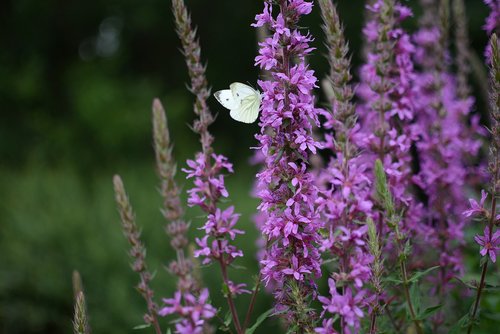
x,y
77,79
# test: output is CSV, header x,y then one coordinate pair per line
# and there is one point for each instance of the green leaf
x,y
462,323
143,326
392,279
329,261
228,319
468,284
259,321
169,331
415,297
429,311
473,285
383,189
483,261
420,274
225,290
238,267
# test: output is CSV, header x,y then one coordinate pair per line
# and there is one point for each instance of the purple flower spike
x,y
285,186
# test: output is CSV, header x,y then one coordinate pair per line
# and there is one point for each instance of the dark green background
x,y
77,79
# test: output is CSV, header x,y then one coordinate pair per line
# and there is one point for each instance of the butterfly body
x,y
242,101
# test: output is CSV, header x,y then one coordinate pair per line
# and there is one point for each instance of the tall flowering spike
x,y
286,187
172,210
208,171
137,252
199,85
489,242
80,322
447,146
77,283
463,50
345,189
388,107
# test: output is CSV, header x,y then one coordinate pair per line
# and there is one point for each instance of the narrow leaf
x,y
415,297
143,326
259,321
420,274
429,311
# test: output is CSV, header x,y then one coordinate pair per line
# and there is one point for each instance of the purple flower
x,y
326,327
193,311
490,243
296,271
237,289
347,305
222,223
475,207
447,146
493,19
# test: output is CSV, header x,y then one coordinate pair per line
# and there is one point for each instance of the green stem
x,y
252,304
229,298
408,299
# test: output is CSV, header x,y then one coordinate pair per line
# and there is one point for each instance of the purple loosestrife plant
x,y
207,171
389,198
445,145
489,242
387,115
172,209
462,47
345,190
388,108
209,187
137,252
286,188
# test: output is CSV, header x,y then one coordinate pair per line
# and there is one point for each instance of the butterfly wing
x,y
226,98
241,91
242,100
248,110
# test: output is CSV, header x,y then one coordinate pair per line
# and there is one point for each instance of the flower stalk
x,y
400,240
172,210
80,320
494,169
285,186
137,252
345,187
207,170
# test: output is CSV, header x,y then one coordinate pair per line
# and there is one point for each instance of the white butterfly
x,y
242,100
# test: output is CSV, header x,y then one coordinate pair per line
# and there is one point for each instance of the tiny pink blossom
x,y
475,207
490,244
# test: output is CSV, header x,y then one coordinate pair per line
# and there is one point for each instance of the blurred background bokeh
x,y
77,79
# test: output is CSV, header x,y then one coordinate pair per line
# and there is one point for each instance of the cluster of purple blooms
x,y
208,188
286,187
409,115
447,143
193,311
388,105
493,20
